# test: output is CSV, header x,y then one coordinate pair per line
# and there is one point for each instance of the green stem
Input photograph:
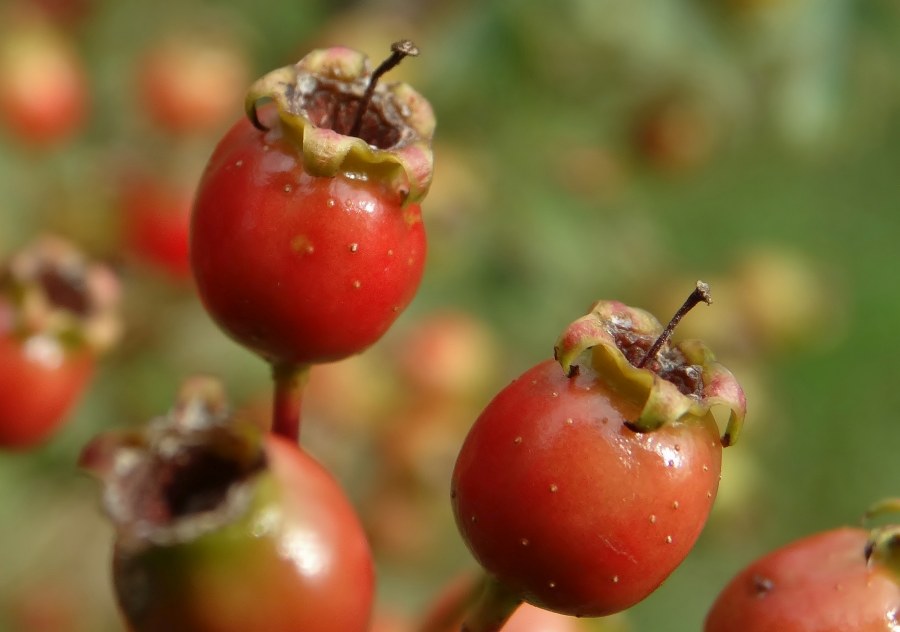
x,y
290,379
492,608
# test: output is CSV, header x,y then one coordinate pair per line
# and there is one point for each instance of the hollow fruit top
x,y
628,348
331,105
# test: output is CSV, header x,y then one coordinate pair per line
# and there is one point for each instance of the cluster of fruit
x,y
579,489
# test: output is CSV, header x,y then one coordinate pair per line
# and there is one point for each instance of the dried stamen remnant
x,y
669,364
331,105
194,482
66,289
184,474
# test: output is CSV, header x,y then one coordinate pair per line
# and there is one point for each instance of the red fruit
x,y
43,89
156,218
821,583
581,487
222,529
192,84
41,382
307,240
57,312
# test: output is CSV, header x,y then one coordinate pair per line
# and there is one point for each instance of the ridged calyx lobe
x,y
682,379
51,289
317,101
220,528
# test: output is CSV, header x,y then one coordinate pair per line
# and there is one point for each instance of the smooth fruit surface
x,y
563,504
39,385
300,268
821,583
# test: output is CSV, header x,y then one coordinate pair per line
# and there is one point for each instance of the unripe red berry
x,y
307,238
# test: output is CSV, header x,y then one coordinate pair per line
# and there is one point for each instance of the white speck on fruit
x,y
474,519
551,584
570,421
354,247
668,539
709,494
652,518
396,308
390,252
533,382
330,203
676,505
705,467
524,541
288,188
553,488
357,284
554,394
615,579
239,163
677,448
517,440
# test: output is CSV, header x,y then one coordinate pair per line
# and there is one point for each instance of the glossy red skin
x,y
156,223
820,583
300,268
36,395
314,575
584,518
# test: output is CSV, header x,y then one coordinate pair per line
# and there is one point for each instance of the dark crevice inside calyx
x,y
669,364
195,478
65,289
333,106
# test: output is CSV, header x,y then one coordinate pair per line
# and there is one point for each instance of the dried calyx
x,y
630,348
883,546
331,103
50,288
185,474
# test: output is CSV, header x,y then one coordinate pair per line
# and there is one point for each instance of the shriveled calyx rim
x,y
50,288
679,380
883,545
185,474
318,99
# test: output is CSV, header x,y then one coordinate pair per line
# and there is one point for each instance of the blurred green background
x,y
585,149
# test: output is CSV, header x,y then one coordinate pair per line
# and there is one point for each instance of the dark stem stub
x,y
700,294
399,50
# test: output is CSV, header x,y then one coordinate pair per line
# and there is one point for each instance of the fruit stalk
x,y
492,608
700,294
399,50
290,380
